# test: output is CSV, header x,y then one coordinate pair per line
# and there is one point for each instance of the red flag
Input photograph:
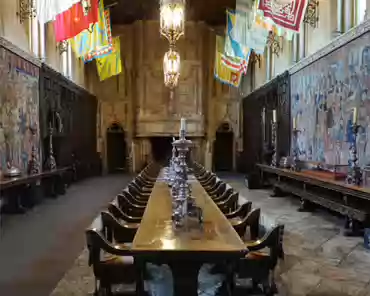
x,y
286,14
73,21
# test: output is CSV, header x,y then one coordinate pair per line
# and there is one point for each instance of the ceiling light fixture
x,y
172,19
171,68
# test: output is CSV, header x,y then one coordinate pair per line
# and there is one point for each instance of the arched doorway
x,y
223,148
116,148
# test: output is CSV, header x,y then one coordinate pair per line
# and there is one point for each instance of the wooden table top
x,y
306,174
6,182
156,232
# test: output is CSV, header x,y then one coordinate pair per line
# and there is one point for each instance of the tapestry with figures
x,y
324,95
19,109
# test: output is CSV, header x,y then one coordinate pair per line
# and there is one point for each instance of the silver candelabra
x,y
354,173
183,203
295,151
274,160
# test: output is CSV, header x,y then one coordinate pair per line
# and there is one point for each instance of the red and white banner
x,y
289,15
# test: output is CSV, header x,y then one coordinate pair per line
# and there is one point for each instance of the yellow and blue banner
x,y
233,48
111,64
221,72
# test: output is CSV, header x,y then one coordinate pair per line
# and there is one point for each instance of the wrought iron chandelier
x,y
172,19
171,68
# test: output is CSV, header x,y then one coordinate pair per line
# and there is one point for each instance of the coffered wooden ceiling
x,y
127,11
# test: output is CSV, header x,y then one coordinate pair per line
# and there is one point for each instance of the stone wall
x,y
138,100
325,88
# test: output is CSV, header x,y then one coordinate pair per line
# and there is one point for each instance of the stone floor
x,y
319,260
37,248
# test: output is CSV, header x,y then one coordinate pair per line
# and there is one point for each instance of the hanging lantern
x,y
172,19
171,68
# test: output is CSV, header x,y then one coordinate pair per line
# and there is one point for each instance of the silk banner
x,y
73,21
248,33
221,72
288,16
97,41
47,10
111,64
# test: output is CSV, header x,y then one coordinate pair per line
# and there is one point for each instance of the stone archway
x,y
116,148
223,147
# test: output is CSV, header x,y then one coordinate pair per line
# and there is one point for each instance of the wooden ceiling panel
x,y
209,11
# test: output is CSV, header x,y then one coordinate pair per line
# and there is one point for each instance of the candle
x,y
354,121
274,116
294,123
183,124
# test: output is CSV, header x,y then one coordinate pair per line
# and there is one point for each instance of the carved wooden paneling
x,y
272,96
71,111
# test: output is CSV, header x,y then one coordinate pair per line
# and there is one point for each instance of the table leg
x,y
185,277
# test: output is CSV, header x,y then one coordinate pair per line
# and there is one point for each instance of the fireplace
x,y
161,148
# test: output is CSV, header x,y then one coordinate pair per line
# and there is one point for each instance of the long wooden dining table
x,y
186,250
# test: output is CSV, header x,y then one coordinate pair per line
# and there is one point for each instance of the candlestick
x,y
274,115
294,123
183,124
354,115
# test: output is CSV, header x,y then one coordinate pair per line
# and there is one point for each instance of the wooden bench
x,y
22,192
353,202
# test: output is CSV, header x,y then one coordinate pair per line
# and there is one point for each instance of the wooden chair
x,y
230,204
225,195
221,187
119,214
140,181
127,207
120,231
137,193
111,264
142,189
251,220
133,199
212,184
132,204
241,211
259,265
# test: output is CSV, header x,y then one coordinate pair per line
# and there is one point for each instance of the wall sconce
x,y
311,16
62,47
26,10
254,58
274,43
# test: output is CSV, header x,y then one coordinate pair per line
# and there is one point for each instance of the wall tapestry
x,y
323,97
19,109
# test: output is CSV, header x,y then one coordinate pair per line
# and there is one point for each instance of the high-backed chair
x,y
251,220
120,232
241,211
127,207
120,215
258,264
112,264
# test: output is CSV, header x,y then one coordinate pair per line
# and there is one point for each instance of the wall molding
x,y
336,43
20,52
